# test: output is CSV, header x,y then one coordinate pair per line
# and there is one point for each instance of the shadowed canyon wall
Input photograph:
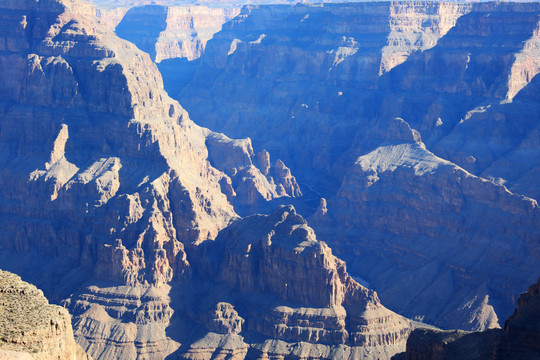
x,y
416,122
123,210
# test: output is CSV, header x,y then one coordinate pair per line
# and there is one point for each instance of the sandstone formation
x,y
291,76
103,174
115,147
30,328
111,17
477,144
481,72
170,32
399,188
253,177
519,340
426,344
266,287
123,210
286,293
417,122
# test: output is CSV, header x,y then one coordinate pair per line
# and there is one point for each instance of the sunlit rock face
x,y
90,134
287,294
168,32
418,125
102,173
31,328
123,210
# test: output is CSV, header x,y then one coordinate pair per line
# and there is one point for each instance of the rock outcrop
x,y
169,32
112,146
265,287
123,322
427,344
30,328
124,210
284,292
254,179
401,187
418,124
519,340
302,65
103,174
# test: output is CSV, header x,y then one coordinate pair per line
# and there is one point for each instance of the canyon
x,y
167,32
412,128
123,210
331,182
518,340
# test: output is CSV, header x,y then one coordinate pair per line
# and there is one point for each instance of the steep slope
x,y
30,328
266,287
500,142
172,32
466,91
103,175
174,36
519,340
284,292
326,87
521,336
405,207
276,71
114,143
112,199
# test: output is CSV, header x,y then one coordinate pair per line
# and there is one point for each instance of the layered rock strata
x,y
418,124
108,185
284,73
115,144
103,173
521,336
168,32
286,293
519,340
123,322
399,188
30,328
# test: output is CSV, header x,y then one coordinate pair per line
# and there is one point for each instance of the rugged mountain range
x,y
416,122
123,210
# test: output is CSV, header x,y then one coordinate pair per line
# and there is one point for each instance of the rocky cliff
x,y
167,32
521,336
285,293
519,340
30,328
303,65
418,124
266,287
112,199
400,188
88,130
173,34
